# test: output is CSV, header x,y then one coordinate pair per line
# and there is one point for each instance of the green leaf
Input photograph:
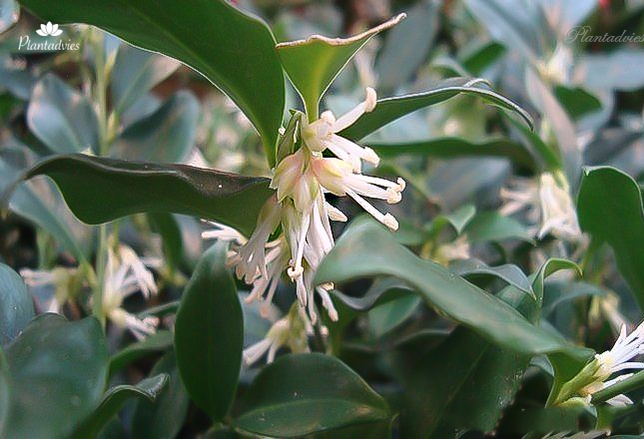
x,y
438,397
577,101
492,226
165,417
509,273
233,50
58,373
16,305
209,335
407,45
114,400
449,147
302,394
367,249
609,206
39,201
312,64
124,188
389,109
135,73
160,341
388,316
165,136
61,117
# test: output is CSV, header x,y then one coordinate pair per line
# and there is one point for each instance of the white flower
x,y
125,274
301,180
617,359
548,201
59,278
322,134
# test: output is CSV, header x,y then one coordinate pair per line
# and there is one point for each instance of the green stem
x,y
632,383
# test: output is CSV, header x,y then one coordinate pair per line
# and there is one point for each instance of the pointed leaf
x,y
302,394
160,341
610,209
164,417
233,50
389,109
16,305
61,117
113,401
209,335
312,64
58,373
367,249
124,188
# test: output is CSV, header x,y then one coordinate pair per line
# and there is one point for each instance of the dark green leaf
x,y
389,109
302,394
610,209
58,373
388,316
61,117
125,188
114,399
5,395
577,101
366,249
312,64
158,342
163,418
509,273
457,147
209,335
16,305
165,136
234,50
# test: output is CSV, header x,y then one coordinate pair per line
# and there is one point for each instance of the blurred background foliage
x,y
587,101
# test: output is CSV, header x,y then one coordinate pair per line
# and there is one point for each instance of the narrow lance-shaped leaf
x,y
99,190
389,109
234,50
366,249
209,334
610,209
303,394
114,400
312,64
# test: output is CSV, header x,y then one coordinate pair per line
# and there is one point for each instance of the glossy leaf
x,y
234,50
163,417
302,394
125,188
312,64
366,249
135,72
609,206
389,109
61,117
388,316
509,273
165,136
448,147
158,342
114,400
16,305
39,201
58,373
492,226
209,335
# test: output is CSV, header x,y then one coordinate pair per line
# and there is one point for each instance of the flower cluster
x,y
547,202
301,180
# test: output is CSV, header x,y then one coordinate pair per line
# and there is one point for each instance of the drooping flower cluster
x,y
301,181
548,202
